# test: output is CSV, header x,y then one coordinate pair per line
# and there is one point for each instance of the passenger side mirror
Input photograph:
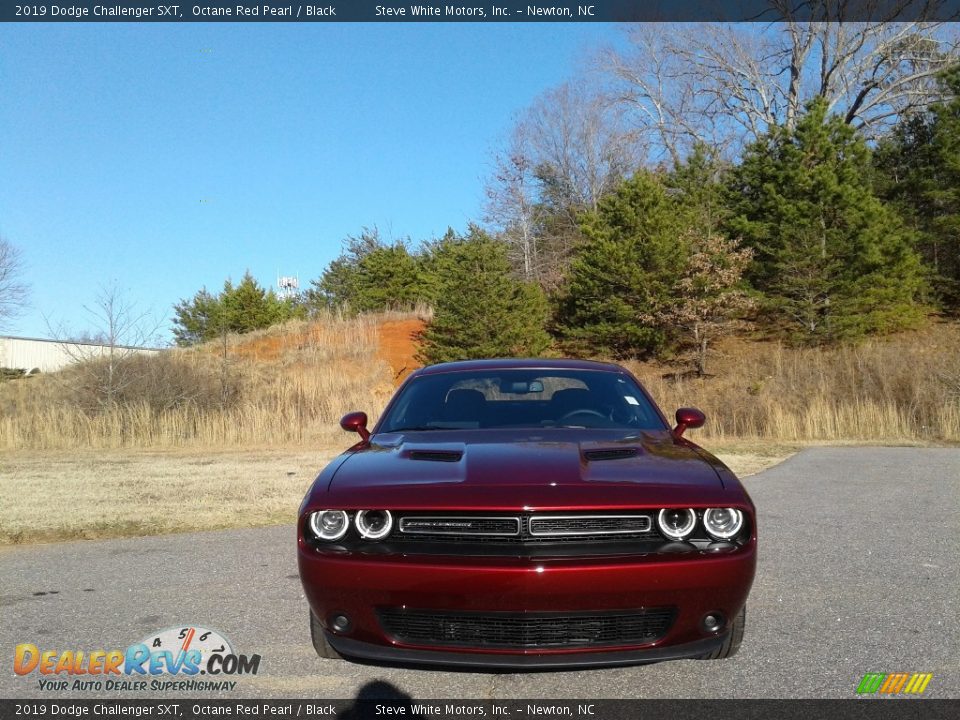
x,y
356,422
688,418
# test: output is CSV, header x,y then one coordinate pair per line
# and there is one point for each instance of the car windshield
x,y
521,399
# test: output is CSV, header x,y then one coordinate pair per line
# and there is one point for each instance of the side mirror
x,y
356,422
688,418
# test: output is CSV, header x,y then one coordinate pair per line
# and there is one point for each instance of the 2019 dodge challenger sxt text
x,y
526,513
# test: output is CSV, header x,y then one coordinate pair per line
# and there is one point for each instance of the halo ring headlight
x,y
677,524
329,525
373,524
722,523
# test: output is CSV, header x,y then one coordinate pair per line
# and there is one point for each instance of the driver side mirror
x,y
688,418
356,422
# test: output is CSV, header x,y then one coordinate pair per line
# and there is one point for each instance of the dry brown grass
x,y
73,495
747,458
899,389
290,385
286,385
153,465
84,495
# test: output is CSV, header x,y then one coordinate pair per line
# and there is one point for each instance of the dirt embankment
x,y
398,346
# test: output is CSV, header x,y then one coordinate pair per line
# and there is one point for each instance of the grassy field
x,y
286,385
175,449
903,388
75,495
55,495
289,385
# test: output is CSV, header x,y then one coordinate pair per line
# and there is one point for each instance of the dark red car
x,y
526,514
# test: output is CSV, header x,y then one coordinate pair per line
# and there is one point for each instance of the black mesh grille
x,y
589,525
534,528
526,630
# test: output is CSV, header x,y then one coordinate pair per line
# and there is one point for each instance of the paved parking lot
x,y
858,573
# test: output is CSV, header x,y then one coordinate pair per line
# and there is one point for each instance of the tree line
x,y
819,203
813,237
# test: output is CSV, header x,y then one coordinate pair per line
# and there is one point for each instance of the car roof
x,y
519,364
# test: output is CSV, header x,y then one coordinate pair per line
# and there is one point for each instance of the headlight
x,y
374,524
329,524
677,524
723,523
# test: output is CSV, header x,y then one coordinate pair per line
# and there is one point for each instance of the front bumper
x,y
357,585
447,658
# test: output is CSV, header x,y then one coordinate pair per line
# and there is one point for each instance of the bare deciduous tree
x,y
13,293
119,331
567,151
725,84
513,205
578,144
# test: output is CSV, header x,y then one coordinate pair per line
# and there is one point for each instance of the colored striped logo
x,y
894,683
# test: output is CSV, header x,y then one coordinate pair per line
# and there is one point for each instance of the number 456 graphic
x,y
894,683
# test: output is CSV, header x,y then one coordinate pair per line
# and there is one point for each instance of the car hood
x,y
494,469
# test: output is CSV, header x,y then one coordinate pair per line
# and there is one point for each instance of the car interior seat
x,y
466,406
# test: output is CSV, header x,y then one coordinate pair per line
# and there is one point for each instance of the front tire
x,y
318,636
732,642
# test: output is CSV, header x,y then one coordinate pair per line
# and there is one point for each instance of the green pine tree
x,y
248,306
388,278
480,311
370,275
697,184
630,261
194,319
237,309
831,260
919,172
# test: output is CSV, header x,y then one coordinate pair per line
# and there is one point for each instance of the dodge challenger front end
x,y
526,514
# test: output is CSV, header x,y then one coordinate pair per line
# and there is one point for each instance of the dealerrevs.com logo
x,y
172,659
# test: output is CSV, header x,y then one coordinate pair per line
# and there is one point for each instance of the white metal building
x,y
49,355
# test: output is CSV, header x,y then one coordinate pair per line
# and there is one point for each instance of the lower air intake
x,y
526,630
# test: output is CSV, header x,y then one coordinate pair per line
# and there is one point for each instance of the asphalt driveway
x,y
858,573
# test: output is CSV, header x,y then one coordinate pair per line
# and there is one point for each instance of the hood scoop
x,y
436,455
610,454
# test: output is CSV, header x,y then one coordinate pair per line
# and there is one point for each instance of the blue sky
x,y
166,158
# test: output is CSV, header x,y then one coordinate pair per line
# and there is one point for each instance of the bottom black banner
x,y
356,709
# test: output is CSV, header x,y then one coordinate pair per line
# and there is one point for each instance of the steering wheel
x,y
584,411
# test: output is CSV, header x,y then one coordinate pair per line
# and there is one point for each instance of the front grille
x,y
460,526
526,630
581,525
525,527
